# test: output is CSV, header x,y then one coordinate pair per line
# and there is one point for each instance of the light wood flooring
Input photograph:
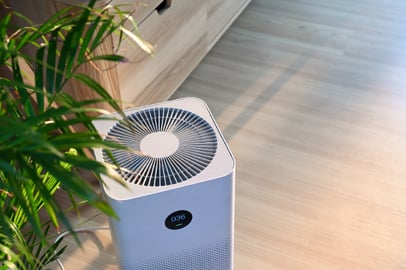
x,y
311,96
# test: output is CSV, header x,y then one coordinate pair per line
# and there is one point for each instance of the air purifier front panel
x,y
149,239
177,211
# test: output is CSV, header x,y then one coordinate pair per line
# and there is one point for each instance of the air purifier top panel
x,y
169,145
173,144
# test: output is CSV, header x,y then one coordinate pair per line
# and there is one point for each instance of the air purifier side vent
x,y
170,145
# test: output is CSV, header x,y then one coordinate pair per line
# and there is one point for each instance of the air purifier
x,y
176,211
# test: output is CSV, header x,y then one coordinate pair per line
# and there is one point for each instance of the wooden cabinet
x,y
182,34
182,31
179,36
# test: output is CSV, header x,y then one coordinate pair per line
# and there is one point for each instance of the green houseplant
x,y
40,149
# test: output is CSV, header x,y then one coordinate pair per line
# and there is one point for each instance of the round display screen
x,y
178,220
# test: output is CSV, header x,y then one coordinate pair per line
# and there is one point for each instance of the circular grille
x,y
168,146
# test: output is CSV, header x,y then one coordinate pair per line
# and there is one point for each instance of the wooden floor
x,y
311,96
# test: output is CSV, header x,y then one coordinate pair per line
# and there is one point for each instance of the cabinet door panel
x,y
179,35
140,8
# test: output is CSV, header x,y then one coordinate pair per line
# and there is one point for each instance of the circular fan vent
x,y
168,145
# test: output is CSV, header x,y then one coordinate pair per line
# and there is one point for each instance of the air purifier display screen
x,y
178,220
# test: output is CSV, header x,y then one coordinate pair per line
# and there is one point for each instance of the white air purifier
x,y
177,211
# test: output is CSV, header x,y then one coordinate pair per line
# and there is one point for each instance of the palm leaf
x,y
51,60
97,88
39,81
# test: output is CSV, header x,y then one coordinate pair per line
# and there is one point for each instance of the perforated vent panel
x,y
169,146
216,256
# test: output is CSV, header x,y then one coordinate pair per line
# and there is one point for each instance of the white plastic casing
x,y
143,241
